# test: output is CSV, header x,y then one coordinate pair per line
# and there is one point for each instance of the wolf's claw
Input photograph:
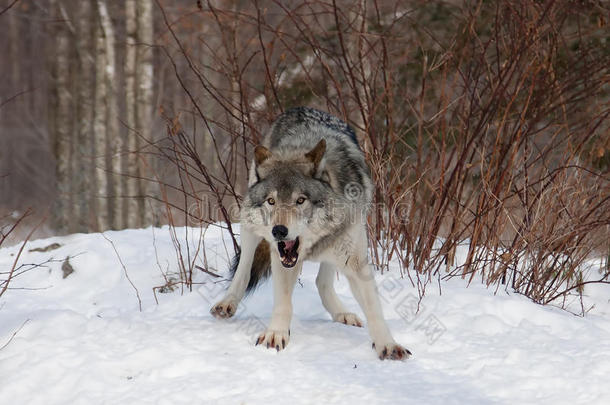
x,y
223,309
391,351
274,339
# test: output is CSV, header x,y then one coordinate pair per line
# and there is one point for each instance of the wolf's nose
x,y
279,232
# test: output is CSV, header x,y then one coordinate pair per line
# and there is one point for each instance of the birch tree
x,y
113,136
131,187
144,100
99,126
61,123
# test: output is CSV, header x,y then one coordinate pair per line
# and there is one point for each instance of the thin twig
x,y
124,271
14,334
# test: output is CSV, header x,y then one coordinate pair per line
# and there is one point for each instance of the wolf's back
x,y
312,119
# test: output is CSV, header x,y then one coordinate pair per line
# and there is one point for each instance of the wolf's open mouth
x,y
289,252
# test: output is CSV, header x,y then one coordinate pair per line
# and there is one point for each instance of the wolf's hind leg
x,y
278,332
324,282
227,307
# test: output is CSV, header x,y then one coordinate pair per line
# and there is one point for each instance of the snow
x,y
86,341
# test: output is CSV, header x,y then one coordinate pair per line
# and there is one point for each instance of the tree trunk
x,y
113,136
13,60
144,103
131,218
83,148
61,125
99,128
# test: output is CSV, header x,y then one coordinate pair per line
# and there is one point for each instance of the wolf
x,y
309,190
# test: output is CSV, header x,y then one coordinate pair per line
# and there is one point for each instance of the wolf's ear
x,y
261,154
316,155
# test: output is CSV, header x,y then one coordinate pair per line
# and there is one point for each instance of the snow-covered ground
x,y
85,341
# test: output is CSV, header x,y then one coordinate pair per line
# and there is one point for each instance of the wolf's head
x,y
286,200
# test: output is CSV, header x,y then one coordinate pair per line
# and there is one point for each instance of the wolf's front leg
x,y
227,307
364,288
278,332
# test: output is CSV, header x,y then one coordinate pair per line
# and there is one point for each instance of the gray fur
x,y
301,128
293,134
308,196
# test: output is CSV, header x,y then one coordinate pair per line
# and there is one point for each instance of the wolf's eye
x,y
270,201
300,200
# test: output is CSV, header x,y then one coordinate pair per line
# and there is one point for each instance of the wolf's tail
x,y
261,266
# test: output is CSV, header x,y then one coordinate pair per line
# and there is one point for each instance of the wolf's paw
x,y
224,309
391,351
274,339
348,319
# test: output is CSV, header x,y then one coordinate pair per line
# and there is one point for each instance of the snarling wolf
x,y
308,195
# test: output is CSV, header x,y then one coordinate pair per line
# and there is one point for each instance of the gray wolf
x,y
308,192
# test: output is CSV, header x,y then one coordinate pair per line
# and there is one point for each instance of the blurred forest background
x,y
81,83
482,121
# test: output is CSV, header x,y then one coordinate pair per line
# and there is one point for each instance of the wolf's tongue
x,y
289,244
